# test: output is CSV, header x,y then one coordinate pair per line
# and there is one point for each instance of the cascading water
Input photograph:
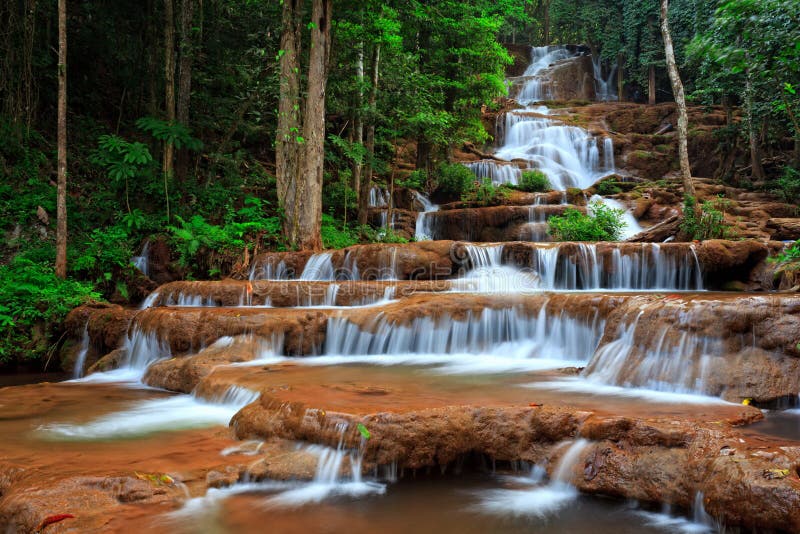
x,y
319,267
424,228
534,498
567,155
142,261
80,360
604,89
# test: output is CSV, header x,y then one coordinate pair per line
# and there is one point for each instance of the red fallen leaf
x,y
50,519
672,297
534,405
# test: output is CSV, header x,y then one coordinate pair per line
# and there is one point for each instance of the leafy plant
x,y
608,187
602,223
788,185
123,161
709,223
415,180
454,179
534,181
485,194
34,304
788,254
334,236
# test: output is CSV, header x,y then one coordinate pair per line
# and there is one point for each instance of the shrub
x,y
608,187
33,304
711,221
534,181
485,194
335,237
789,185
415,180
789,254
454,179
601,224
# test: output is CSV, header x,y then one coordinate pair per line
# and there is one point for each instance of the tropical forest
x,y
432,266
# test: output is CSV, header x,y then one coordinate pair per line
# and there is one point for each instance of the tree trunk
x,y
680,100
358,118
620,77
151,32
651,86
756,167
185,79
546,18
287,150
366,180
61,196
309,191
169,100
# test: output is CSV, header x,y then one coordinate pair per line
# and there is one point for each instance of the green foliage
x,y
454,179
33,303
337,196
601,224
710,224
381,235
103,254
202,244
172,133
534,181
608,187
334,236
24,185
788,185
485,194
789,254
415,180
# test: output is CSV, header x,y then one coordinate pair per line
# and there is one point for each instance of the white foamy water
x,y
179,412
592,387
632,226
538,500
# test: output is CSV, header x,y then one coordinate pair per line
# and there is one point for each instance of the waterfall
x,y
83,350
546,335
534,498
643,266
270,270
378,197
424,228
604,89
667,359
142,261
568,155
497,173
319,267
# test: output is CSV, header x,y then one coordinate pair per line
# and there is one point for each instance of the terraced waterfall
x,y
480,379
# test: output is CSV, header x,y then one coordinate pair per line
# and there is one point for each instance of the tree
x,y
287,140
680,100
61,195
308,201
169,85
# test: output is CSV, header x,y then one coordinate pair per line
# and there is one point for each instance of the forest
x,y
189,122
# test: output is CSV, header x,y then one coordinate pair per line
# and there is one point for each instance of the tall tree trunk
x,y
620,77
366,180
61,196
153,102
358,118
651,85
757,169
185,78
680,100
169,79
287,150
309,192
546,24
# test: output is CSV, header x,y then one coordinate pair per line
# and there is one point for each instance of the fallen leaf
x,y
534,405
363,430
50,519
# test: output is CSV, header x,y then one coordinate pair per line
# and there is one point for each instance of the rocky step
x,y
290,293
492,223
595,265
733,346
647,452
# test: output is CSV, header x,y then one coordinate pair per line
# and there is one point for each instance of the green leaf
x,y
363,430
